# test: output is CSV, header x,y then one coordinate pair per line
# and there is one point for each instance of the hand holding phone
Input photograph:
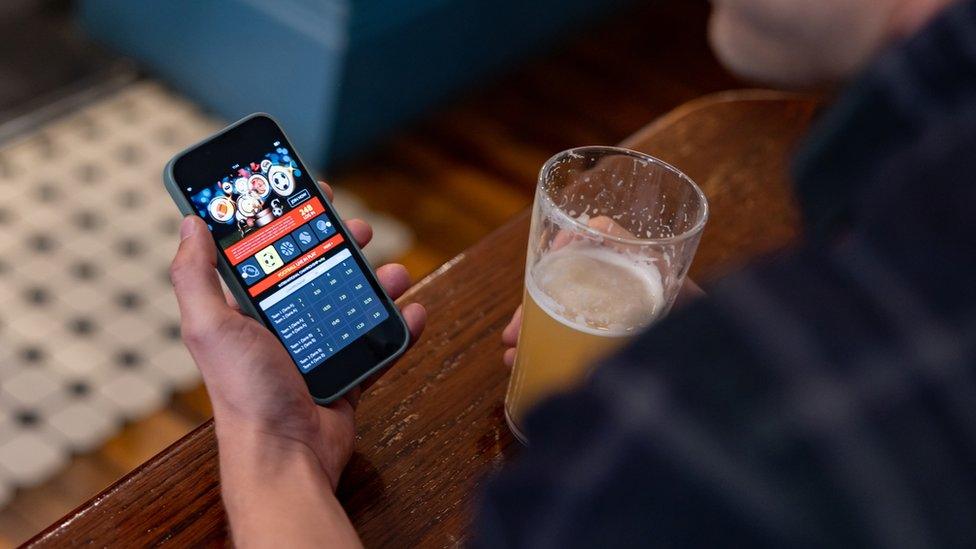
x,y
254,386
287,257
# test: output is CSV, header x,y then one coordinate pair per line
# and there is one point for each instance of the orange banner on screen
x,y
292,267
278,228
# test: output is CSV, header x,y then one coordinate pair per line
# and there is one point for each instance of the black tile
x,y
83,270
47,192
37,295
170,226
32,354
130,198
172,331
42,242
129,300
130,247
167,135
79,388
128,358
130,154
82,326
89,173
27,418
87,220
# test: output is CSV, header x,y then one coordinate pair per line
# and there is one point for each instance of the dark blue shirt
x,y
823,398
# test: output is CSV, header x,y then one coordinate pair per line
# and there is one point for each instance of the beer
x,y
613,233
581,301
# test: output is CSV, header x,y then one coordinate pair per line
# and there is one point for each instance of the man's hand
x,y
253,384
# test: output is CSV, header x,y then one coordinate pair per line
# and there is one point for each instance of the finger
x,y
352,397
360,230
394,278
562,238
509,357
327,189
608,226
415,316
510,333
194,278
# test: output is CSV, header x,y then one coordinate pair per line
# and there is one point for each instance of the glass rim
x,y
583,227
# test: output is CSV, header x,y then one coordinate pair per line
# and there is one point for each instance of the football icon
x,y
282,180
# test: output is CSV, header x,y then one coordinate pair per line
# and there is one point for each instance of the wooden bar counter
x,y
432,429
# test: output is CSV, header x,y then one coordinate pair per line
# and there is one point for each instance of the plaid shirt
x,y
826,397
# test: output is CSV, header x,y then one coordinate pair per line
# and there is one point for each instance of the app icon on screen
x,y
269,259
287,248
323,227
305,237
282,180
250,271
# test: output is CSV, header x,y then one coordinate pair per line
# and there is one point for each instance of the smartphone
x,y
286,256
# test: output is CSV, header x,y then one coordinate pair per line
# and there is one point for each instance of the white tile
x,y
165,302
133,395
84,426
30,458
80,357
30,386
175,365
131,329
132,271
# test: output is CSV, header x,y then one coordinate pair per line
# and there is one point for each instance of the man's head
x,y
810,42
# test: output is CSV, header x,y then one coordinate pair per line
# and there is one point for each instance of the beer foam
x,y
597,289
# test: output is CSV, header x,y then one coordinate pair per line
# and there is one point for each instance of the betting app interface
x,y
276,233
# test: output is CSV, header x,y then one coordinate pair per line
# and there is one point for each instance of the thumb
x,y
198,291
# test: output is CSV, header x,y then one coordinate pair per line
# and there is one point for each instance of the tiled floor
x,y
90,329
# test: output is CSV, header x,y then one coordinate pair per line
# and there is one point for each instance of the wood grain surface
x,y
432,429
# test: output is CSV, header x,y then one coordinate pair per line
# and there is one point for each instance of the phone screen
x,y
288,251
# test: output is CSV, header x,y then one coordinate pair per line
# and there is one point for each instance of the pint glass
x,y
613,234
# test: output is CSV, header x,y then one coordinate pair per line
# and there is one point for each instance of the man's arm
x,y
277,493
281,455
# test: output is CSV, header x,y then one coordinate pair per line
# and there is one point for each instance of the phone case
x,y
239,292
